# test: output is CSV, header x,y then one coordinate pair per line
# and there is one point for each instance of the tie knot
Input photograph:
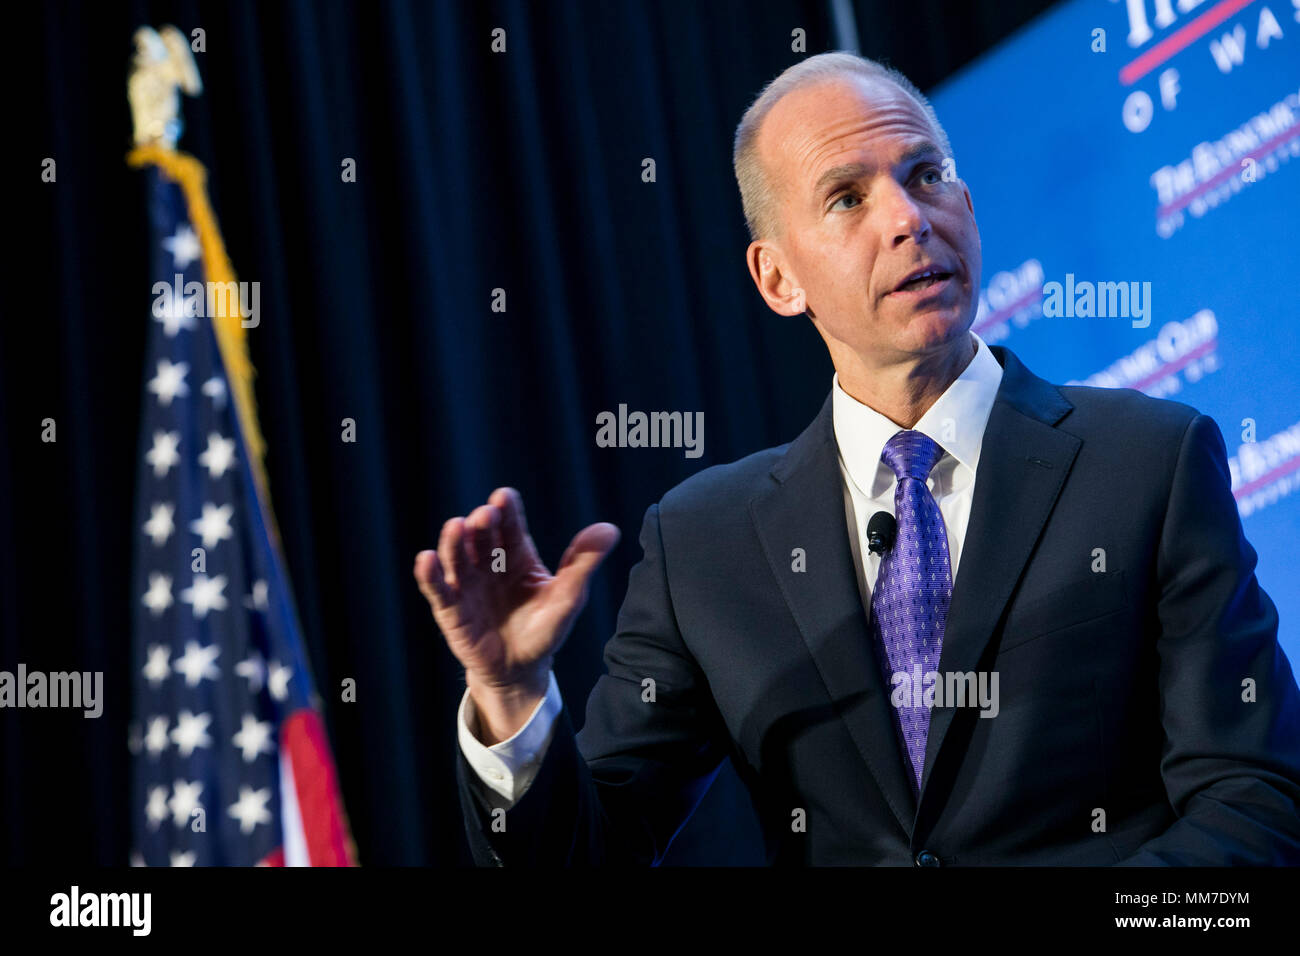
x,y
911,454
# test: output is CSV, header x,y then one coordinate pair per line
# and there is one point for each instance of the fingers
x,y
514,527
467,544
463,545
428,574
451,551
482,534
586,551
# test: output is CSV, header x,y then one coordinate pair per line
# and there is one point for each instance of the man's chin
x,y
929,331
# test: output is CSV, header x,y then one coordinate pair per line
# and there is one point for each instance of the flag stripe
x,y
317,789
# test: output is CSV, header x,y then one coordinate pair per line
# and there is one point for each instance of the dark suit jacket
x,y
1120,692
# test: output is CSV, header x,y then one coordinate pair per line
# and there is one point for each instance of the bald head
x,y
760,188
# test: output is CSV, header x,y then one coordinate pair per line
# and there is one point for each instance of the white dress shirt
x,y
956,421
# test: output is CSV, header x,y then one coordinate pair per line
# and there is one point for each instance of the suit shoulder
x,y
715,486
1125,411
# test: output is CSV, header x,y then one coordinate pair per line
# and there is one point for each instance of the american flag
x,y
231,764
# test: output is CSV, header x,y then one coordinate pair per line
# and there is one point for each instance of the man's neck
x,y
904,392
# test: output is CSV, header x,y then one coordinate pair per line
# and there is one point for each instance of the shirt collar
x,y
956,421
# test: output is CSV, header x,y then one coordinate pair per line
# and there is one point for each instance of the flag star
x,y
170,381
175,313
197,663
137,858
254,738
257,601
215,389
277,680
253,668
191,732
155,811
251,808
184,858
184,246
184,800
163,454
159,596
155,669
205,594
160,526
155,739
219,456
214,526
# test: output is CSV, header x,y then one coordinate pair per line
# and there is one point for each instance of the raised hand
x,y
502,613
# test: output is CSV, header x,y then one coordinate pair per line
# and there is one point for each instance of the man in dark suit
x,y
1101,683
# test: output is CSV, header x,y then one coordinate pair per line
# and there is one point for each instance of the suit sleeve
x,y
1228,700
619,791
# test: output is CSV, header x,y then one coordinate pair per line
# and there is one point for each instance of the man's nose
x,y
902,218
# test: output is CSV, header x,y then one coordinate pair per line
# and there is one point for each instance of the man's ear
x,y
969,205
776,283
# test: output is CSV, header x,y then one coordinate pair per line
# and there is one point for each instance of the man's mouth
x,y
922,279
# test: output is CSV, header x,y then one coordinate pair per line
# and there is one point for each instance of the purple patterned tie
x,y
909,604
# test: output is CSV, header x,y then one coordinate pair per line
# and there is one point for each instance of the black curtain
x,y
476,171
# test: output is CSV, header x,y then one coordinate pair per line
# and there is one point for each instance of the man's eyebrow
x,y
917,151
839,174
850,171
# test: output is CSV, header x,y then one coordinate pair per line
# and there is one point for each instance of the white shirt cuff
x,y
507,768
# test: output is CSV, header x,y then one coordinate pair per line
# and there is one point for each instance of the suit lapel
x,y
1024,462
804,508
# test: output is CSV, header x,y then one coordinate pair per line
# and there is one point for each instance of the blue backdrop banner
x,y
1131,166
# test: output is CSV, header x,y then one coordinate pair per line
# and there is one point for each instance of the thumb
x,y
588,548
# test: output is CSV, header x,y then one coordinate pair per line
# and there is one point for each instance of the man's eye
x,y
931,172
837,202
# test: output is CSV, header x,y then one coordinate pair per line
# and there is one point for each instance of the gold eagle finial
x,y
162,65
